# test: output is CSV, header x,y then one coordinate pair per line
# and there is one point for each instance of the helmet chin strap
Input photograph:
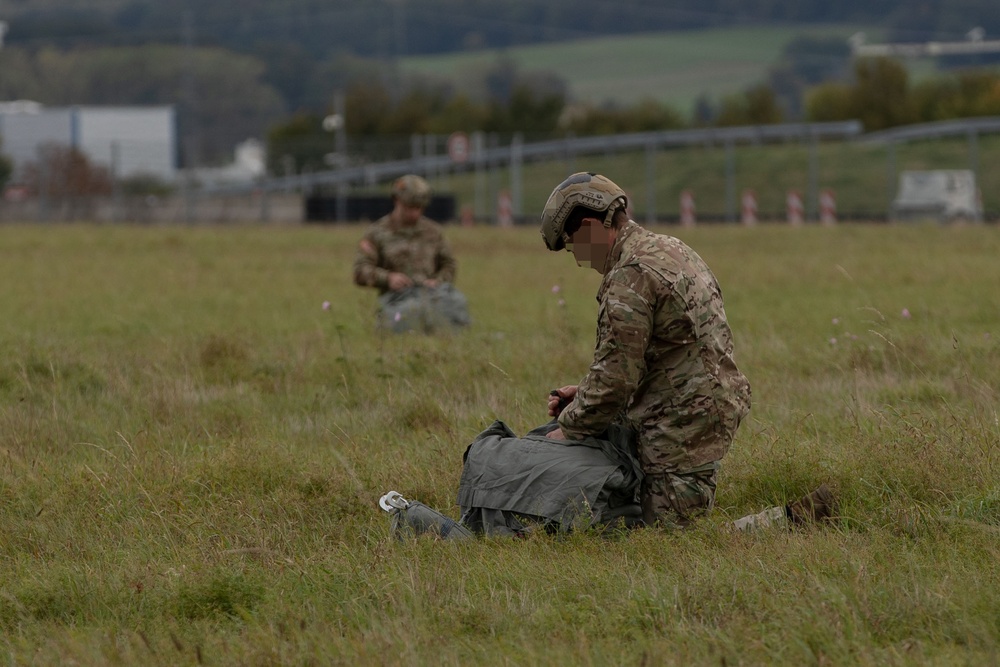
x,y
609,217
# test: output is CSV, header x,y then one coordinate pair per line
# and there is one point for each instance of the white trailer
x,y
942,195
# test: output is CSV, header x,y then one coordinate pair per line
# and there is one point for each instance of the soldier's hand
x,y
560,398
430,282
398,281
556,434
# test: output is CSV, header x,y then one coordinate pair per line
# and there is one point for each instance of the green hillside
x,y
671,67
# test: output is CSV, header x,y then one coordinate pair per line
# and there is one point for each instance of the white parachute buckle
x,y
393,502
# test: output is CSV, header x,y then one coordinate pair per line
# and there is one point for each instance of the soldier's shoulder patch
x,y
367,248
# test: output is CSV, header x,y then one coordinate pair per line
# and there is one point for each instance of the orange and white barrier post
x,y
794,208
687,208
827,207
748,207
505,209
468,217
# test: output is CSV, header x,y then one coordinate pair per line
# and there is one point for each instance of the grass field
x,y
191,451
674,68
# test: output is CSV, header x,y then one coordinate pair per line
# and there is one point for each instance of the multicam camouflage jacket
x,y
420,252
664,357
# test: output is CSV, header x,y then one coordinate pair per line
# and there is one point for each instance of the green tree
x,y
880,96
20,79
458,113
757,106
365,107
297,144
646,116
220,95
412,115
528,110
962,95
830,102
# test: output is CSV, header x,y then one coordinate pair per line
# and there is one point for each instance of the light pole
x,y
335,123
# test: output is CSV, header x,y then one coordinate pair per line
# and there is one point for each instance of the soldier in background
x,y
405,256
663,364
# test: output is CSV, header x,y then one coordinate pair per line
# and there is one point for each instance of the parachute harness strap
x,y
393,502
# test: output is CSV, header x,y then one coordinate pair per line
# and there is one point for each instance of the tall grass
x,y
191,450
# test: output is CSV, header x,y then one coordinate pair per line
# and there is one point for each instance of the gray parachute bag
x,y
410,518
509,483
423,309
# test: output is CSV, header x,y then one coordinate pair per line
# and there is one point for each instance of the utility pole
x,y
189,117
337,124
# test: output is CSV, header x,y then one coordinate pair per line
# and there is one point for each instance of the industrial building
x,y
128,140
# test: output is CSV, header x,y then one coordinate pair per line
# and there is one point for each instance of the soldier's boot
x,y
820,505
410,518
817,506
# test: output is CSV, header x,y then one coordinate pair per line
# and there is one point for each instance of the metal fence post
x,y
265,204
43,189
812,201
890,176
730,181
116,186
650,183
430,150
974,154
516,176
416,146
478,156
570,153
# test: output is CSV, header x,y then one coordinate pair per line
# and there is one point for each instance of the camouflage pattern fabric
x,y
423,309
419,251
676,499
663,362
773,517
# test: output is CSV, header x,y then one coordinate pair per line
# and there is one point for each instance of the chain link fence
x,y
806,171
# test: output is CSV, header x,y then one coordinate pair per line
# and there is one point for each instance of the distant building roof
x,y
20,106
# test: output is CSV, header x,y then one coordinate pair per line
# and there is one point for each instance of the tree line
x,y
299,43
876,91
232,103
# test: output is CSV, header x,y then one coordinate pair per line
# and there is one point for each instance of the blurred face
x,y
407,214
591,244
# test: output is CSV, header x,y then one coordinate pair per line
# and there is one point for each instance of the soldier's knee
x,y
676,500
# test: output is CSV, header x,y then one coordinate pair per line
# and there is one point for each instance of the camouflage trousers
x,y
675,499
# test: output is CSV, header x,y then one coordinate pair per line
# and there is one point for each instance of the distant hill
x,y
303,44
670,67
387,28
301,41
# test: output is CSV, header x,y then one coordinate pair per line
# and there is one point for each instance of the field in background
x,y
191,451
674,68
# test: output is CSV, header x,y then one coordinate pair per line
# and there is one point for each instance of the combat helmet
x,y
582,189
411,190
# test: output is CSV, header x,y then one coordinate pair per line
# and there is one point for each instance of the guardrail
x,y
518,152
936,130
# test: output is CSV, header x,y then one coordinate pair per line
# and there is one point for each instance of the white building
x,y
128,141
248,166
